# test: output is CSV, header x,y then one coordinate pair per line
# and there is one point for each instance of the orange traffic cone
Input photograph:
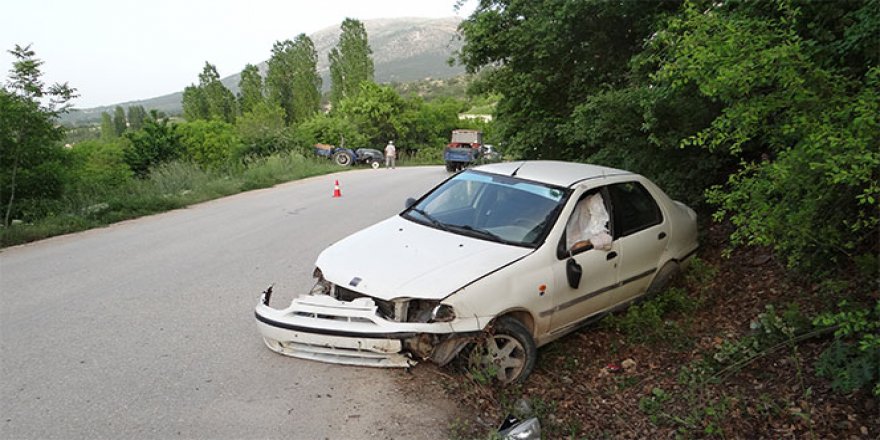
x,y
336,191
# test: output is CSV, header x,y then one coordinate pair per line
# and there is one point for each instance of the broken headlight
x,y
422,310
322,286
442,313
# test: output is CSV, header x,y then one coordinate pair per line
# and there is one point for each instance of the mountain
x,y
404,49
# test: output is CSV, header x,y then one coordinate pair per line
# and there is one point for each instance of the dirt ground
x,y
597,383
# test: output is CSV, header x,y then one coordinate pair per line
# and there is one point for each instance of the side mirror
x,y
573,272
409,202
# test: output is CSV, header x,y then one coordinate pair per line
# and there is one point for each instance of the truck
x,y
463,149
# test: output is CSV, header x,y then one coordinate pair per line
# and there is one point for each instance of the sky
x,y
124,50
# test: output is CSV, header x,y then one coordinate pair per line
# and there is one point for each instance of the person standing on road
x,y
390,155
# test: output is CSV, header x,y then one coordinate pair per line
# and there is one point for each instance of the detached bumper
x,y
321,328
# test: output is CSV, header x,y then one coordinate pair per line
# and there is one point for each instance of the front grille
x,y
386,308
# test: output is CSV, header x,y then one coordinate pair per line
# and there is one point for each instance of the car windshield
x,y
491,207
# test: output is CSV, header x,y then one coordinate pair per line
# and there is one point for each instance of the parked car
x,y
346,156
504,257
489,154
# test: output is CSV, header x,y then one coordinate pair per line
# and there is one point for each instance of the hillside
x,y
404,49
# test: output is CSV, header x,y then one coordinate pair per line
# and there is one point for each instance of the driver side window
x,y
589,224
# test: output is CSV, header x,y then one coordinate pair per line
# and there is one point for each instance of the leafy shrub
x,y
852,361
156,143
210,144
100,164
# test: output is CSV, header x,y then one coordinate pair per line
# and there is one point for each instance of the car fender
x,y
478,303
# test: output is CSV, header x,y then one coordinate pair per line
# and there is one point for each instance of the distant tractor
x,y
347,156
463,149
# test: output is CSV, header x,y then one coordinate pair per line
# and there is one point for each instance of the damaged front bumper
x,y
322,328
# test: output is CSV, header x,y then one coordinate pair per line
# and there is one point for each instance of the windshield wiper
x,y
482,233
438,224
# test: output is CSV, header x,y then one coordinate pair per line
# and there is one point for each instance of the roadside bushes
x,y
210,144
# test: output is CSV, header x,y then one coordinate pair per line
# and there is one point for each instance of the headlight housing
x,y
442,313
322,286
428,311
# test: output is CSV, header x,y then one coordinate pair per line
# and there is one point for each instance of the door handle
x,y
661,236
611,255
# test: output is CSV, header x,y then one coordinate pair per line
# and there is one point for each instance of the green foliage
x,y
250,89
351,62
293,81
136,117
108,130
210,144
376,113
210,99
32,167
329,129
549,56
262,130
195,104
806,135
119,122
853,360
772,105
100,164
156,143
221,101
427,125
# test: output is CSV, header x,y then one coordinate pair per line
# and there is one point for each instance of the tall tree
x,y
119,122
306,81
136,116
546,57
351,61
250,88
108,130
221,101
29,135
195,106
292,81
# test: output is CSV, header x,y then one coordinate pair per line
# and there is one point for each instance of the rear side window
x,y
633,208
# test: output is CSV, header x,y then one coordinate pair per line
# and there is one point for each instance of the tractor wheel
x,y
342,158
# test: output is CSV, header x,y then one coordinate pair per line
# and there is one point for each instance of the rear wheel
x,y
450,166
663,277
508,354
342,159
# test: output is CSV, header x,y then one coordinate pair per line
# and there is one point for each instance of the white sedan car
x,y
506,257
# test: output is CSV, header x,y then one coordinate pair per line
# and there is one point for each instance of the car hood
x,y
399,258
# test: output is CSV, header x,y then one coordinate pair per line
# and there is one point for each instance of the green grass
x,y
170,186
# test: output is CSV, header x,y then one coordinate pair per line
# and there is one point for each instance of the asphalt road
x,y
145,329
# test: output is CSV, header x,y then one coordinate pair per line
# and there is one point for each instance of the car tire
x,y
374,164
508,353
662,279
342,159
450,167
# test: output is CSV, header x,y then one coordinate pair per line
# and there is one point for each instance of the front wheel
x,y
508,354
374,164
342,159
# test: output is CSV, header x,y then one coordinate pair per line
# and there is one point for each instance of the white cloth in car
x,y
589,222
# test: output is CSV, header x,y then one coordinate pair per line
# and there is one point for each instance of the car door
x,y
641,233
598,280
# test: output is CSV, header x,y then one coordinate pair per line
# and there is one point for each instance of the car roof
x,y
552,172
